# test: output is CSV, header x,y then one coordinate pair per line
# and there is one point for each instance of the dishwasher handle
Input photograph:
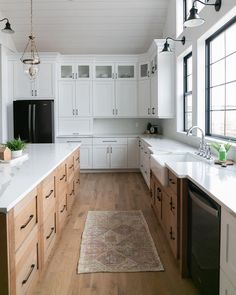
x,y
196,198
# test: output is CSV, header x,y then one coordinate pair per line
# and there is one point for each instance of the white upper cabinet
x,y
66,102
75,71
126,98
66,71
126,71
103,99
83,101
104,72
144,71
41,87
144,107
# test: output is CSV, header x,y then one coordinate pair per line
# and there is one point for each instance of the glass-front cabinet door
x,y
104,71
153,65
67,72
126,71
84,71
144,72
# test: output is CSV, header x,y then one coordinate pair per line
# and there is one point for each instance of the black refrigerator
x,y
34,120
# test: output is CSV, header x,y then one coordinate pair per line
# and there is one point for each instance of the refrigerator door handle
x,y
29,121
34,110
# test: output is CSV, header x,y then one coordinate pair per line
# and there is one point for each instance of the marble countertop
x,y
215,181
119,135
16,180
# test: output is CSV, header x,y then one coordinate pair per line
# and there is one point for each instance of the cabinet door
x,y
83,71
66,99
228,244
103,99
144,109
75,126
154,95
44,82
23,86
101,157
118,156
104,72
86,152
67,72
226,287
144,71
83,102
133,153
126,98
126,72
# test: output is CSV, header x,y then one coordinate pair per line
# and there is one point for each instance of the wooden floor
x,y
110,191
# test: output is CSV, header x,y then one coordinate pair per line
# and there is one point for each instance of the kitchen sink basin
x,y
158,165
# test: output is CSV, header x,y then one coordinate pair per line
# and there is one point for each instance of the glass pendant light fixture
x,y
194,20
166,48
7,28
30,57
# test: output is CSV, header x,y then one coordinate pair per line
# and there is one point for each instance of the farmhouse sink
x,y
158,165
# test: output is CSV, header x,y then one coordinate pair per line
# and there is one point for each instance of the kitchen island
x,y
36,195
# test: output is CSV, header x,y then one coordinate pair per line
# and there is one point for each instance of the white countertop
x,y
219,183
100,135
16,180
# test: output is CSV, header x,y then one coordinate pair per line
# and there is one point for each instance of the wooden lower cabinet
x,y
29,231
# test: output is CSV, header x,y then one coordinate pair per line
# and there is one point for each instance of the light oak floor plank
x,y
110,191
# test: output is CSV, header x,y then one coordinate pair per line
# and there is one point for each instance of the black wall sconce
x,y
166,48
7,28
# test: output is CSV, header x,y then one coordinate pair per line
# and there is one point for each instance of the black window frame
x,y
208,77
186,93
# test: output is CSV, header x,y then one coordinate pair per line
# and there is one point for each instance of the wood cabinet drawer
x,y
173,204
70,195
49,235
48,195
27,264
77,160
77,182
25,217
172,234
62,212
158,202
172,182
61,175
70,167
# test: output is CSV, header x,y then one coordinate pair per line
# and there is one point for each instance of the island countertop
x,y
17,180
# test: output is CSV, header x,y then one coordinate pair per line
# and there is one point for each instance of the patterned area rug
x,y
117,241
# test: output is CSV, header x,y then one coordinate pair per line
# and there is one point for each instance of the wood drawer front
x,y
27,267
70,195
61,176
77,182
173,205
172,235
158,201
25,217
77,159
49,234
62,212
172,182
48,195
70,167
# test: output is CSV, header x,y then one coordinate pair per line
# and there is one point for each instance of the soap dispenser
x,y
222,153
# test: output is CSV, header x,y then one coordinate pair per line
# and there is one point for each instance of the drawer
x,y
61,177
172,182
62,194
70,195
173,204
109,141
48,195
62,212
173,234
25,217
81,140
27,267
49,235
77,182
77,159
70,167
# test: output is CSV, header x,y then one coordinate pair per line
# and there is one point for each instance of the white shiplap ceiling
x,y
88,26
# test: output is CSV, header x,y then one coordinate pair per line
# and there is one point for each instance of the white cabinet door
x,y
72,126
126,98
22,85
125,71
84,98
226,287
101,157
118,156
103,71
103,99
154,95
144,109
228,245
86,157
67,71
66,99
133,153
44,82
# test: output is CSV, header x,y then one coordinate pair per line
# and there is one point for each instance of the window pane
x,y
230,39
189,65
188,120
231,123
217,48
217,122
217,98
231,68
231,96
188,103
218,73
189,83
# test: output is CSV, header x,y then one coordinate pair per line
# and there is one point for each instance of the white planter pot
x,y
16,154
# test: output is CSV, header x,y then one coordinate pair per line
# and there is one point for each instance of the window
x,y
188,5
187,91
221,82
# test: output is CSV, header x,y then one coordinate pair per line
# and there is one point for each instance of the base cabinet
x,y
226,287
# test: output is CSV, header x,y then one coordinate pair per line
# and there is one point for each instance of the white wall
x,y
195,41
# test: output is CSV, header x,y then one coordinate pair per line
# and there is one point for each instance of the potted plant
x,y
16,146
222,149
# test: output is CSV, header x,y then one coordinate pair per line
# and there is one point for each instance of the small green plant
x,y
16,144
216,146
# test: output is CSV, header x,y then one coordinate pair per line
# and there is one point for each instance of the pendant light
x,y
194,20
7,28
166,48
30,57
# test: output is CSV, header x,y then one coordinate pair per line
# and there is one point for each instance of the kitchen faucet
x,y
204,148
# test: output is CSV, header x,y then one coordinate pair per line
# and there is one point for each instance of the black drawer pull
x,y
77,181
171,180
172,207
63,209
51,191
29,274
51,232
171,234
71,193
77,159
71,166
27,222
63,176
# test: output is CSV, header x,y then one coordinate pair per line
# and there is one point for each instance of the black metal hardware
x,y
171,234
51,232
63,209
63,177
29,274
27,222
51,191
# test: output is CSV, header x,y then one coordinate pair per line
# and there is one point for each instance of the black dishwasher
x,y
203,241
